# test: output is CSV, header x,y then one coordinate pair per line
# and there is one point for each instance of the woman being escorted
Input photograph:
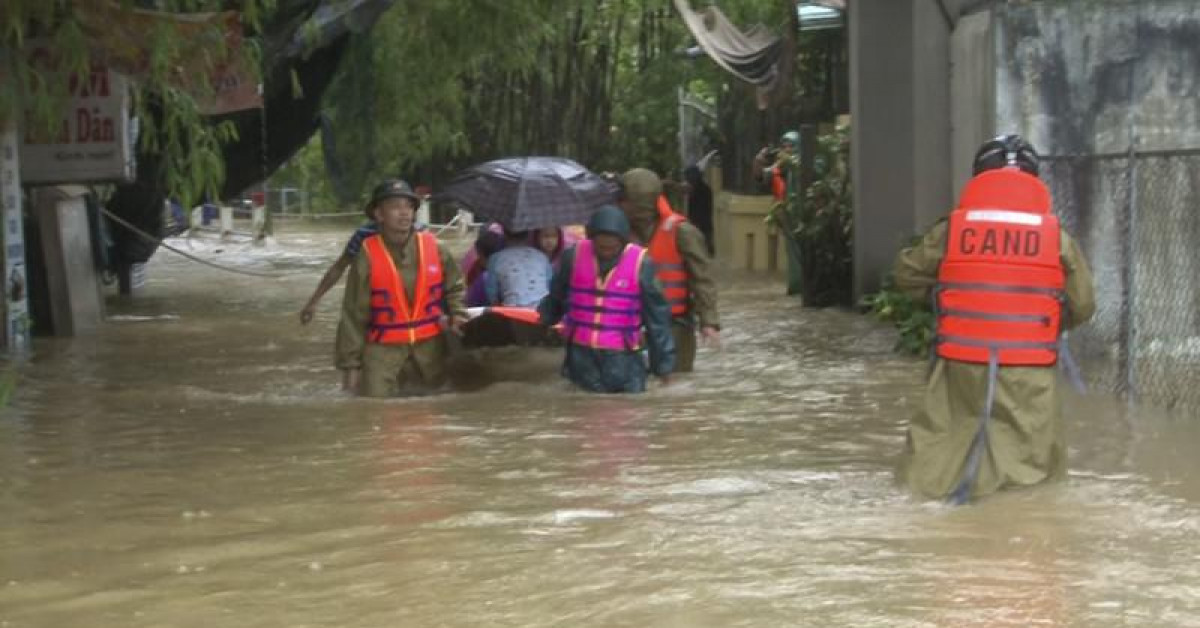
x,y
605,292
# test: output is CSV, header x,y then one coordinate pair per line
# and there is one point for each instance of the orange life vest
x,y
1000,286
394,320
668,263
778,183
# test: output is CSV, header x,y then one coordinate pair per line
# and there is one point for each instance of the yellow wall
x,y
743,240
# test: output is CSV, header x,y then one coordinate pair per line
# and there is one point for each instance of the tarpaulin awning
x,y
751,55
334,19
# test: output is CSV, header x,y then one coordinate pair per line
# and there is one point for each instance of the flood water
x,y
194,464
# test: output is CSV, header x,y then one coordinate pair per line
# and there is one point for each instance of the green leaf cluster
x,y
913,319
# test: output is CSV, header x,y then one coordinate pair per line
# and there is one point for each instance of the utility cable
x,y
159,241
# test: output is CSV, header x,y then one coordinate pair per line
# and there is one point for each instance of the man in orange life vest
x,y
402,294
681,258
773,165
1005,280
605,293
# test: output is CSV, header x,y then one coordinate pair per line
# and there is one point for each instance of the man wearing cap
x,y
335,271
402,294
780,162
681,258
605,292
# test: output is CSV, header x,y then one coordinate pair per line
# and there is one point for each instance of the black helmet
x,y
1006,151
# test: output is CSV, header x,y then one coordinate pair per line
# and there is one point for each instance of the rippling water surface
x,y
194,464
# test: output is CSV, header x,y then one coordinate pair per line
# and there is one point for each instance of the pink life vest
x,y
605,313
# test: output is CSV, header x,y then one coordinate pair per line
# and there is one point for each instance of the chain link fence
x,y
1137,217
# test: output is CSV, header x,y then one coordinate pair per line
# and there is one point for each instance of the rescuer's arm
x,y
328,281
554,305
916,268
356,310
701,284
455,290
1080,291
656,316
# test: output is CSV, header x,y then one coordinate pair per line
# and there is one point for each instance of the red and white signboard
x,y
93,143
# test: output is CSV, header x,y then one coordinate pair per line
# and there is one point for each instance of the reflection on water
x,y
196,465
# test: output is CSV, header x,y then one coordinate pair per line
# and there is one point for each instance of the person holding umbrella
x,y
403,292
605,293
681,257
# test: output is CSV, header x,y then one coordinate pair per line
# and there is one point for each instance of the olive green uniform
x,y
388,370
1025,443
702,311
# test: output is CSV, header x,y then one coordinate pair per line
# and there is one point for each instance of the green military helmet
x,y
391,188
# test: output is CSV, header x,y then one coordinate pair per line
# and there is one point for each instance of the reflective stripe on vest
x,y
668,263
392,319
1000,285
605,312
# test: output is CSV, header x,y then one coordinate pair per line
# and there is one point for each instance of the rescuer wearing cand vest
x,y
1005,280
681,257
403,292
611,308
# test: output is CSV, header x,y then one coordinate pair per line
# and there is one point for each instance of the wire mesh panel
x,y
1091,198
1165,213
1137,219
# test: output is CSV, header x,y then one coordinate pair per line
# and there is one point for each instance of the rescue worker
x,y
681,257
402,293
1005,280
605,293
339,266
773,165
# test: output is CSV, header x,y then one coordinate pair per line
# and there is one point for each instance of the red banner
x,y
202,46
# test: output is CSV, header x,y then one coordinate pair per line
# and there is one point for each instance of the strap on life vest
x,y
962,492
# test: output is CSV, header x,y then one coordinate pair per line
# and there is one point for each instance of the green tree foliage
x,y
437,87
913,320
819,218
165,98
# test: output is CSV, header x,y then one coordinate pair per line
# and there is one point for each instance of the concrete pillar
x,y
15,304
72,284
258,222
226,221
465,220
423,212
972,92
131,278
882,138
932,130
900,135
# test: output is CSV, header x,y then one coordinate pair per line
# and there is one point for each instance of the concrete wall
x,y
749,244
72,283
972,93
900,145
1085,78
1078,78
931,114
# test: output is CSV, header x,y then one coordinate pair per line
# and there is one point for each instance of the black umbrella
x,y
525,193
